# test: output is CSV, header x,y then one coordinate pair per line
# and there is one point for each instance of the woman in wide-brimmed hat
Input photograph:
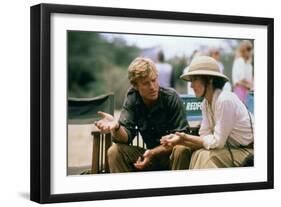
x,y
226,132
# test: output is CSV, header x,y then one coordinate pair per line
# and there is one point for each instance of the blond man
x,y
153,112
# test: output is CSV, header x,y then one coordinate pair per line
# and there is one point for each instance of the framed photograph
x,y
133,103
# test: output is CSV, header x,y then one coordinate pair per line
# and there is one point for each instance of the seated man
x,y
154,112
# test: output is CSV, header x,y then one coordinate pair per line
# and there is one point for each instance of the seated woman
x,y
226,132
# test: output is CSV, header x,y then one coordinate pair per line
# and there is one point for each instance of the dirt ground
x,y
80,143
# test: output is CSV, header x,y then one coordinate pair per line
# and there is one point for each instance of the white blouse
x,y
226,118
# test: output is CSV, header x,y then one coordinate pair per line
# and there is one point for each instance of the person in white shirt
x,y
242,71
195,53
165,72
226,132
216,54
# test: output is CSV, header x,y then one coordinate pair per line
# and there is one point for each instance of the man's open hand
x,y
107,123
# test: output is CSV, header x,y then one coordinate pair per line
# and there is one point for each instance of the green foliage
x,y
179,64
227,61
97,66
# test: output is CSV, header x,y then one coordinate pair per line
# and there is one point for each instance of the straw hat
x,y
203,65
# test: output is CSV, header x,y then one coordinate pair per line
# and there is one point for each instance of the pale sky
x,y
170,45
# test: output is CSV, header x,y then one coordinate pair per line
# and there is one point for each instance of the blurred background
x,y
98,62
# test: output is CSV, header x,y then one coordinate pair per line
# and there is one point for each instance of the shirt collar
x,y
158,105
216,94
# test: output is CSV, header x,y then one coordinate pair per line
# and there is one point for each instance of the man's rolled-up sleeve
x,y
127,120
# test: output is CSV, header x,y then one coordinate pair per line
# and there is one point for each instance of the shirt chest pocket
x,y
153,124
161,126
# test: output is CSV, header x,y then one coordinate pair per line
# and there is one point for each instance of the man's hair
x,y
141,68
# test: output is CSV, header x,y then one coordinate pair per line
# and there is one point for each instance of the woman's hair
x,y
217,82
141,68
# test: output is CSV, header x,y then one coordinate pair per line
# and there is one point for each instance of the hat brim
x,y
188,75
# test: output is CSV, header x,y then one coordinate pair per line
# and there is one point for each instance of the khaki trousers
x,y
218,158
121,158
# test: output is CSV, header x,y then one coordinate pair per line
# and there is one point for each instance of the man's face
x,y
148,88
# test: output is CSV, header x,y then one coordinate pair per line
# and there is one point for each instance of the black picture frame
x,y
41,102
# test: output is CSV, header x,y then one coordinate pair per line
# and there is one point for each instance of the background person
x,y
226,132
166,77
242,70
195,53
153,111
216,54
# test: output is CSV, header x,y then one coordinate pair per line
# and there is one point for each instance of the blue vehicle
x,y
193,106
250,102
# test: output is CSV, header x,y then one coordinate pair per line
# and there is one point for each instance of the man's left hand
x,y
145,161
171,140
